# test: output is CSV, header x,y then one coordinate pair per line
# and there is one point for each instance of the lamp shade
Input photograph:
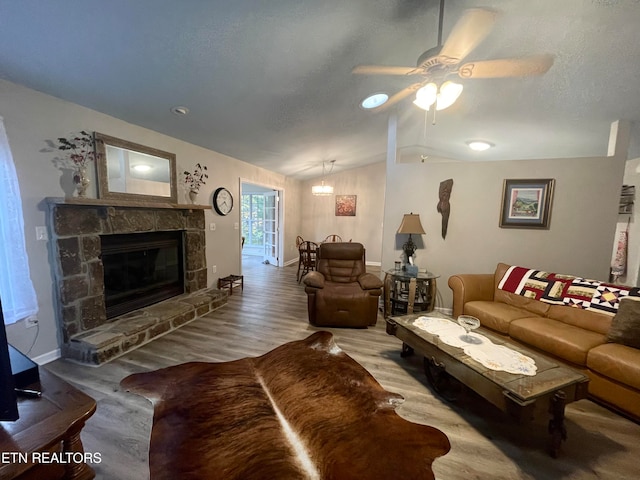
x,y
449,93
411,224
426,96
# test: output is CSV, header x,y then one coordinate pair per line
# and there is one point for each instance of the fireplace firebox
x,y
141,269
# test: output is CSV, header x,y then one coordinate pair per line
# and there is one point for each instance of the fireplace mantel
x,y
98,202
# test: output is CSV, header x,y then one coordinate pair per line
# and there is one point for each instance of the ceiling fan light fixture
x,y
375,100
448,94
426,96
479,145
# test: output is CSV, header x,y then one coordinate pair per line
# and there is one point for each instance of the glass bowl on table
x,y
469,323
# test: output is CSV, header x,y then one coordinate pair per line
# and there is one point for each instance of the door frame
x,y
280,212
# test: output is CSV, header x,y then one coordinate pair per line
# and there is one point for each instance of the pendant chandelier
x,y
322,189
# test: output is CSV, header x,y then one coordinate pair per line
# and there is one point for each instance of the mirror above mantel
x,y
130,171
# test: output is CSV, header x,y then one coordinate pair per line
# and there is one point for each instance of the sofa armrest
x,y
369,281
469,287
314,280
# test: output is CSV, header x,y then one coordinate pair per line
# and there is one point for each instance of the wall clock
x,y
222,201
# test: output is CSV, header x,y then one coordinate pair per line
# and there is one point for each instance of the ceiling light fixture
x,y
180,110
322,189
443,97
479,145
141,168
375,100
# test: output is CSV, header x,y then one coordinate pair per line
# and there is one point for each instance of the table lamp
x,y
411,225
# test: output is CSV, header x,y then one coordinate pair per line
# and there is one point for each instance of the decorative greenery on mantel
x,y
195,180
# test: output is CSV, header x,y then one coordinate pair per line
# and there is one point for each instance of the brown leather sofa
x,y
574,335
340,293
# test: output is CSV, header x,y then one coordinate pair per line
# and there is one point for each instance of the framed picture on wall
x,y
346,205
527,203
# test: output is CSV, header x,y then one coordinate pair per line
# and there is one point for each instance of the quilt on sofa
x,y
567,290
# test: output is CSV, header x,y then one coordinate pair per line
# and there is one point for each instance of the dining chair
x,y
299,240
307,259
332,238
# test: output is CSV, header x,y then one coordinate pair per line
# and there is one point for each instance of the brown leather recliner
x,y
340,293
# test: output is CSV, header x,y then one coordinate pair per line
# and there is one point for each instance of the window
x,y
16,290
253,219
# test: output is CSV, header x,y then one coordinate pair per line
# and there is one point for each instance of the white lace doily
x,y
478,347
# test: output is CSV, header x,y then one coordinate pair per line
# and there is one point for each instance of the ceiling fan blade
x,y
398,97
383,70
507,67
474,25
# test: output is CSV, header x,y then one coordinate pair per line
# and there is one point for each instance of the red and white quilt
x,y
567,290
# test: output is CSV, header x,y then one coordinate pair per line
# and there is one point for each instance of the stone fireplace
x,y
77,228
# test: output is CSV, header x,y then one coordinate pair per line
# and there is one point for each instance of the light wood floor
x,y
272,311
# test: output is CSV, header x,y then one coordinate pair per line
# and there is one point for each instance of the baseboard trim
x,y
48,357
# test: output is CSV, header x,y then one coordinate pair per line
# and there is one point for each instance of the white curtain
x,y
16,290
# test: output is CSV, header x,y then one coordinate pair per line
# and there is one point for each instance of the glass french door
x,y
271,227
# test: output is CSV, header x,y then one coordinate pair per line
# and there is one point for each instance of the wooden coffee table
x,y
525,398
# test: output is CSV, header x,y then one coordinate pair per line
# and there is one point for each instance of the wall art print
x,y
346,205
527,203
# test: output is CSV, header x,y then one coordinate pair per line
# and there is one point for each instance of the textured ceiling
x,y
269,82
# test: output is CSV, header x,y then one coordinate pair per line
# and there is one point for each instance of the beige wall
x,y
32,119
319,219
583,218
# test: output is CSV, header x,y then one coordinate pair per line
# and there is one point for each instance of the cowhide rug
x,y
304,410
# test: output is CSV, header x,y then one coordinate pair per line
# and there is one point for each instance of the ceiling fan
x,y
438,63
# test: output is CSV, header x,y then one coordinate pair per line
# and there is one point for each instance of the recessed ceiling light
x,y
141,168
479,145
180,110
375,100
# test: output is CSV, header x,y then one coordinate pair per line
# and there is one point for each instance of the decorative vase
x,y
81,180
193,195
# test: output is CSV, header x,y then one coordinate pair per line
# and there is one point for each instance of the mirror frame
x,y
101,140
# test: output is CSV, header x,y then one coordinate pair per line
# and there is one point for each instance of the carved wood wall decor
x,y
443,205
303,410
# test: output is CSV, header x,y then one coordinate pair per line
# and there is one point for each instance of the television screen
x,y
8,401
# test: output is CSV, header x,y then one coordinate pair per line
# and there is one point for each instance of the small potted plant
x,y
195,180
80,150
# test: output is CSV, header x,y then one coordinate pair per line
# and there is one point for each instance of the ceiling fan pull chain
x,y
426,113
433,122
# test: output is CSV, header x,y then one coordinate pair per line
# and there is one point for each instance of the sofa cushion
x,y
578,317
617,362
494,315
625,326
559,339
531,305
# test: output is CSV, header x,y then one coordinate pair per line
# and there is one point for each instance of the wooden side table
x,y
47,425
409,293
